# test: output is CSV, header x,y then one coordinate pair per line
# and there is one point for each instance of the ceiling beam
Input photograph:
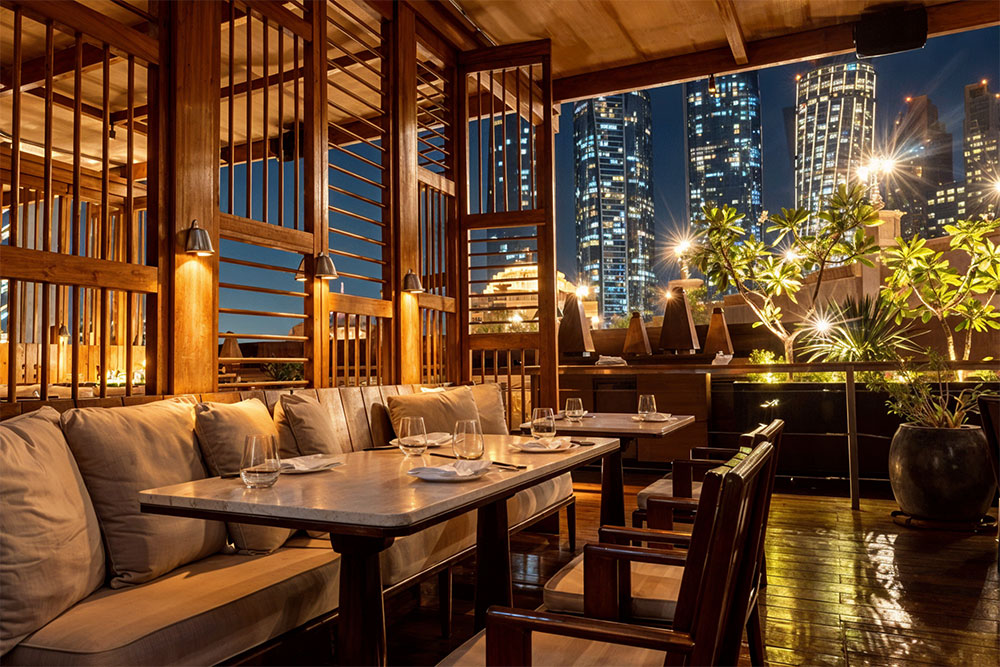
x,y
734,31
833,40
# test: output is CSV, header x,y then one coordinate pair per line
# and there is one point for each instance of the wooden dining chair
x,y
718,545
989,410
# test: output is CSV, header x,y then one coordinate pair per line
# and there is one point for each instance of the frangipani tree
x,y
763,272
941,290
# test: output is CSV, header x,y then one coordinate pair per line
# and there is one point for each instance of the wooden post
x,y
192,189
317,172
548,344
852,440
405,197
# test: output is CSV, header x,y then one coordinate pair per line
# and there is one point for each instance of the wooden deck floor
x,y
845,588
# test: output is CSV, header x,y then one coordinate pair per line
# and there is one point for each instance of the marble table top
x,y
618,424
372,488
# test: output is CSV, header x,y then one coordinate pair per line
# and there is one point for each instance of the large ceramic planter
x,y
941,474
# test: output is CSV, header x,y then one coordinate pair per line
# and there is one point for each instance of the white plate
x,y
432,477
514,447
441,440
316,463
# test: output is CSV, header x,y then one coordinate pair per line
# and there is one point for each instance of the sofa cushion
x,y
664,487
529,502
489,402
654,590
199,614
222,430
412,554
121,451
287,447
51,554
311,425
440,410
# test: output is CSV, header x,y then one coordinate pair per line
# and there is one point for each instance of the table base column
x,y
361,616
612,490
493,580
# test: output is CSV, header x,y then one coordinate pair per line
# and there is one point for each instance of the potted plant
x,y
938,464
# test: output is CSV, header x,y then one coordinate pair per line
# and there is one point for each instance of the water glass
x,y
467,442
574,409
543,423
647,405
412,436
260,466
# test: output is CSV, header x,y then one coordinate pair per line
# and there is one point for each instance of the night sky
x,y
940,70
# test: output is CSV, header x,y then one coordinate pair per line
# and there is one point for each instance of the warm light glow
x,y
822,325
863,173
516,318
996,186
983,82
798,77
909,99
595,321
682,247
791,255
668,294
582,291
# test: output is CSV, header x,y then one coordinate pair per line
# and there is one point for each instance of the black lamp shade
x,y
198,241
325,268
411,282
300,273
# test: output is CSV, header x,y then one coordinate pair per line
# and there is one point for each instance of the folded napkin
x,y
433,439
721,359
311,463
563,415
456,469
652,417
610,361
546,444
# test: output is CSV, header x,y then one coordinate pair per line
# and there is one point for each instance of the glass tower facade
x,y
723,142
834,128
613,155
981,149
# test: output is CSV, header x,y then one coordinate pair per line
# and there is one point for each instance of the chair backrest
x,y
989,410
721,543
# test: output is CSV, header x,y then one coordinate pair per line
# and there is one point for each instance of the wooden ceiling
x,y
603,46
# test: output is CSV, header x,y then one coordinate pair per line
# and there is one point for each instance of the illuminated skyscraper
x,y
923,165
724,146
613,154
834,128
982,134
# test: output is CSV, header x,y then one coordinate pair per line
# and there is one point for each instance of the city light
x,y
682,247
516,318
791,256
908,99
996,186
582,291
668,294
822,325
595,321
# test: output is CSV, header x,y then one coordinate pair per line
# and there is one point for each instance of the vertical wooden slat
x,y
479,141
248,100
295,133
13,338
105,323
48,198
266,121
533,190
503,140
75,225
517,121
129,218
232,107
491,183
281,125
548,351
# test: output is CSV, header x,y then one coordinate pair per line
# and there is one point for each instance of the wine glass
x,y
574,409
467,442
260,466
412,436
543,423
647,406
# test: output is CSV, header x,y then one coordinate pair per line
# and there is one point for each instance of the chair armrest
x,y
718,453
660,510
623,535
684,474
607,577
508,634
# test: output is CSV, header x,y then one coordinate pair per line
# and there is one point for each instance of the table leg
x,y
612,490
493,583
361,622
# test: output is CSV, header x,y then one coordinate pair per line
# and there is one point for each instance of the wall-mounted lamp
x,y
63,334
300,273
325,268
411,282
198,241
712,88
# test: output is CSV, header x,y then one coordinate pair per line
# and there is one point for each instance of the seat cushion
x,y
440,410
654,590
51,554
664,487
529,502
311,425
415,553
199,614
557,651
222,431
122,451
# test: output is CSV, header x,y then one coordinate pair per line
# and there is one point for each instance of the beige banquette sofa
x,y
87,579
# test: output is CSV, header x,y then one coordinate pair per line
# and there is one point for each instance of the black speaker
x,y
890,30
